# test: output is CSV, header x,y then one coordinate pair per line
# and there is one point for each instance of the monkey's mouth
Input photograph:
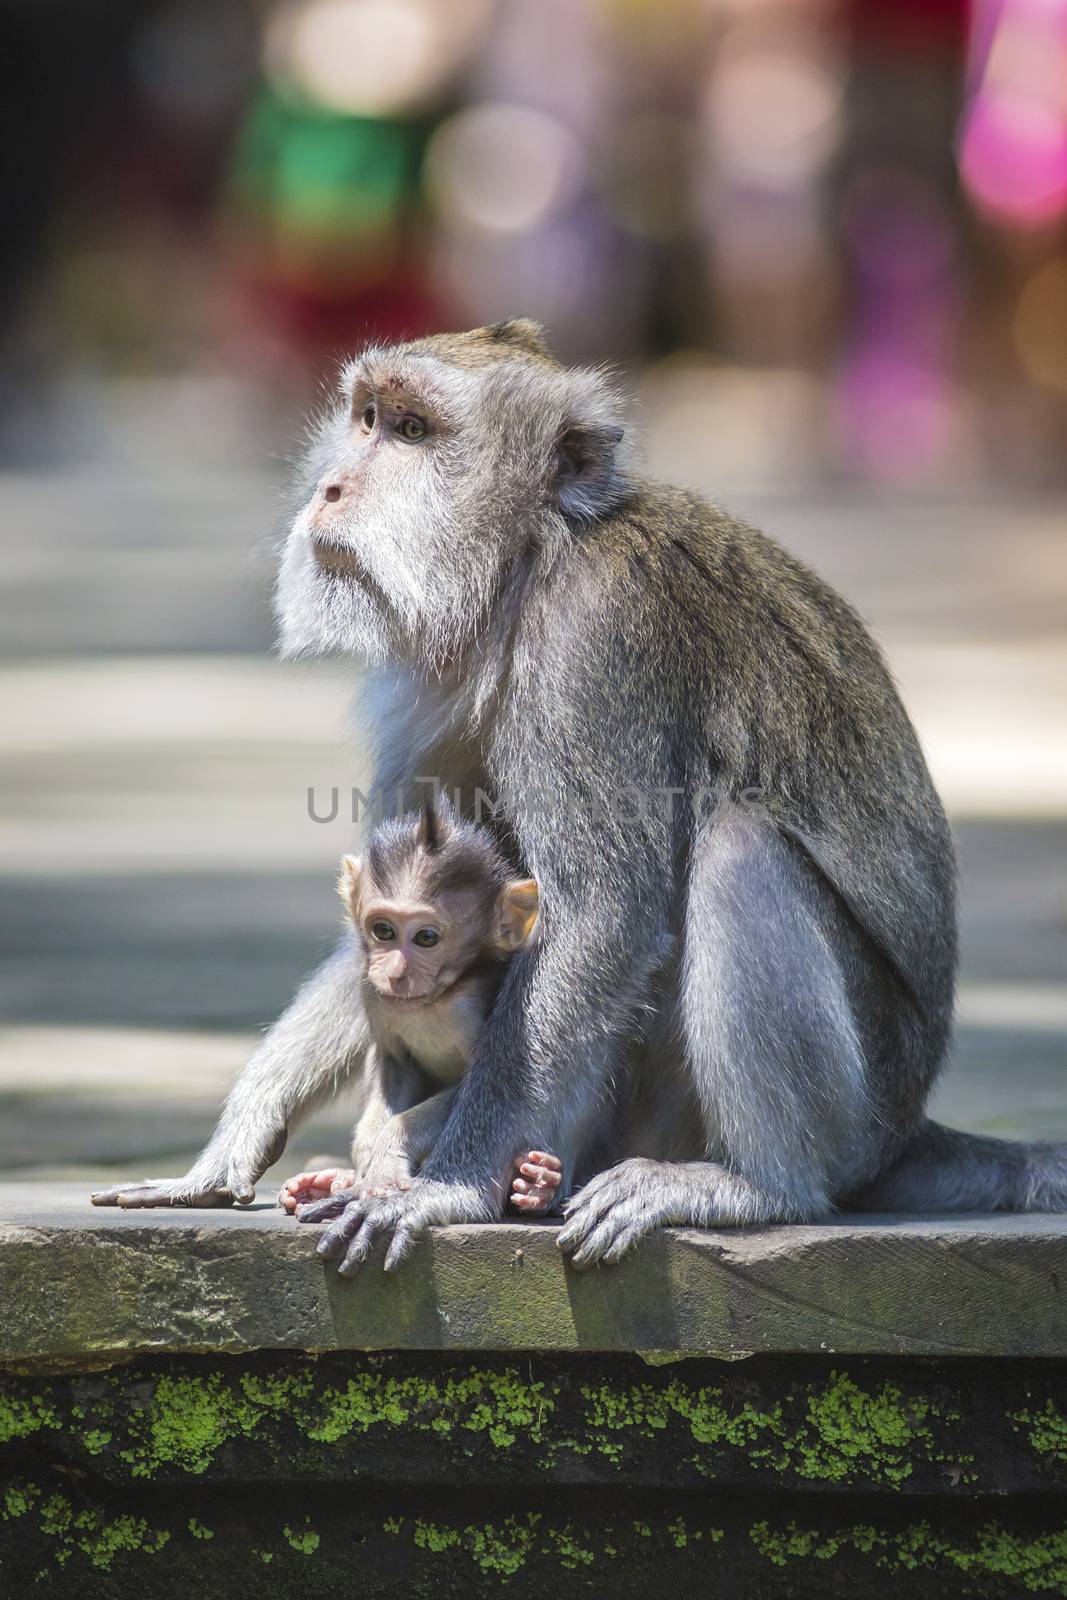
x,y
338,561
410,999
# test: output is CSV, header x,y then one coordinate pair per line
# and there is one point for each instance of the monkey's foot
x,y
538,1176
318,1184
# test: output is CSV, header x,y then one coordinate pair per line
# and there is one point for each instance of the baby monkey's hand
x,y
537,1177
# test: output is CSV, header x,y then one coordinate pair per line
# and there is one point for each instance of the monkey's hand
x,y
167,1192
216,1178
188,1191
400,1218
618,1208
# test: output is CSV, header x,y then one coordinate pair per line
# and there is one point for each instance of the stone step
x,y
89,1285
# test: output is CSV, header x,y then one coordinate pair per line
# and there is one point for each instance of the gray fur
x,y
747,1001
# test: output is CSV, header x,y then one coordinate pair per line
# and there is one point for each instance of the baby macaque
x,y
437,918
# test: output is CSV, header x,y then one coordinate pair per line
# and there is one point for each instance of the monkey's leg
x,y
313,1048
944,1169
417,1130
392,1134
776,1061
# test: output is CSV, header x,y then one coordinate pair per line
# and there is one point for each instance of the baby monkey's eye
x,y
411,429
426,938
383,932
368,417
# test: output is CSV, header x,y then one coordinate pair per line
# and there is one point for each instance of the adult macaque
x,y
437,916
769,988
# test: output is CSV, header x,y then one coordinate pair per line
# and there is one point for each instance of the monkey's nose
x,y
332,492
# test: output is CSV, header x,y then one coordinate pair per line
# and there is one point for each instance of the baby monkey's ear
x,y
516,912
349,881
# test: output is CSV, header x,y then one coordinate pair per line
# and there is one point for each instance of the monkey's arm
x,y
313,1048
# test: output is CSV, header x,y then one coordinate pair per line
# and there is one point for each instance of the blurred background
x,y
825,243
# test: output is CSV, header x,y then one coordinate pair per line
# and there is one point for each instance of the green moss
x,y
571,1554
304,1540
845,1433
428,1536
19,1498
504,1549
98,1537
19,1418
188,1419
832,1430
1047,1432
507,1547
1038,1564
646,1409
849,1429
104,1542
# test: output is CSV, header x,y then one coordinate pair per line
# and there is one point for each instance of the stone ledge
x,y
85,1287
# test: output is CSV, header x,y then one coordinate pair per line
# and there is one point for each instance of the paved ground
x,y
163,887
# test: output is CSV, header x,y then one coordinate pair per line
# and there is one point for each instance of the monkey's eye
x,y
368,418
426,938
383,932
411,428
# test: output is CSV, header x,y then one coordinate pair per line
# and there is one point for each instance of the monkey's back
x,y
730,664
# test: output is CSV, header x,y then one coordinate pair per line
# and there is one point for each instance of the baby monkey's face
x,y
417,946
416,950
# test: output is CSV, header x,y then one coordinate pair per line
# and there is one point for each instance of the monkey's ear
x,y
349,881
522,333
583,469
516,912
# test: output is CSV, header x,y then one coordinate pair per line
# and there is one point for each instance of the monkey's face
x,y
415,951
444,463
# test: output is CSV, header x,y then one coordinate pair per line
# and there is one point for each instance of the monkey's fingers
x,y
373,1224
159,1192
544,1176
606,1219
611,1237
531,1203
332,1205
338,1236
317,1184
533,1198
585,1209
242,1184
404,1237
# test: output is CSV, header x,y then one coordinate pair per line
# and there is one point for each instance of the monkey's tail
x,y
941,1169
